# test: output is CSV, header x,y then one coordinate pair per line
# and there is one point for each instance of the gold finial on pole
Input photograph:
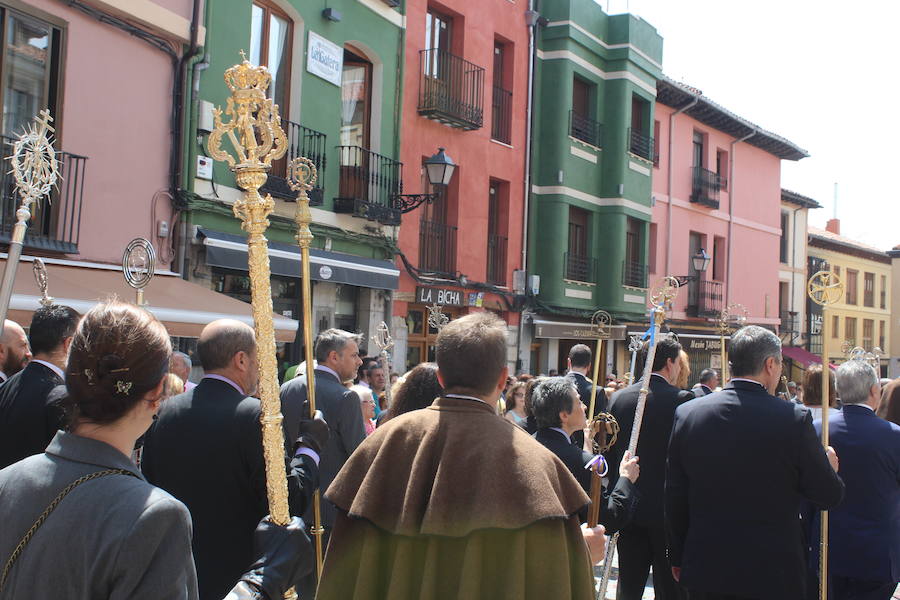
x,y
138,266
824,288
256,138
301,178
40,277
732,315
35,171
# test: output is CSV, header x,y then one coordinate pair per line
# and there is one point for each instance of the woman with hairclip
x,y
80,521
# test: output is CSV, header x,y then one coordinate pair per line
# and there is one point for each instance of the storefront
x,y
554,338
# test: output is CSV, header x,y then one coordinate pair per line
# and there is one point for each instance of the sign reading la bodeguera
x,y
441,296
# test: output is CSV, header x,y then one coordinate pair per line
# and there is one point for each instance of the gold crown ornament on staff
x,y
661,297
301,178
824,288
254,131
35,171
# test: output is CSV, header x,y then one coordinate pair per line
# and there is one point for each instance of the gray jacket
x,y
341,410
115,537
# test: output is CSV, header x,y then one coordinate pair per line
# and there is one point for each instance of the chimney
x,y
834,226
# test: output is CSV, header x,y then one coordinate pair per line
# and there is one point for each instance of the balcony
x,y
585,129
451,90
579,267
705,187
705,298
437,248
501,115
367,185
496,259
302,141
634,274
640,144
55,225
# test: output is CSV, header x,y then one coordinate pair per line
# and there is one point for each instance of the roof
x,y
798,199
833,239
678,95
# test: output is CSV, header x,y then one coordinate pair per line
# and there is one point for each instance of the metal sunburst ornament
x,y
139,266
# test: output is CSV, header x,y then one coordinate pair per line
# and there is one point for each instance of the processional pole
x,y
385,342
733,314
40,278
601,321
824,288
35,170
661,297
634,346
600,424
257,139
302,176
138,266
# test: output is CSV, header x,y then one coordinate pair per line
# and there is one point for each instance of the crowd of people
x,y
121,478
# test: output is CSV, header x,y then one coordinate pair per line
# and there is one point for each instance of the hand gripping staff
x,y
661,297
824,288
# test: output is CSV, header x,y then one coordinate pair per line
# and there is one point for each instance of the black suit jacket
x,y
701,389
584,386
28,418
618,505
341,410
659,413
740,464
206,450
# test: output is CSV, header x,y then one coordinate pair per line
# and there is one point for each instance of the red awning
x,y
803,356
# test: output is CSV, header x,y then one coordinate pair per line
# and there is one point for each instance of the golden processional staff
x,y
35,170
733,314
604,424
661,298
824,288
257,139
302,176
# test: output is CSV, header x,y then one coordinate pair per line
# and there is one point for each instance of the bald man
x,y
206,450
14,350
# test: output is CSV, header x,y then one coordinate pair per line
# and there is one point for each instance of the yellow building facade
x,y
862,317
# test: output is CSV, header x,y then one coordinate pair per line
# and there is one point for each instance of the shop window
x,y
271,35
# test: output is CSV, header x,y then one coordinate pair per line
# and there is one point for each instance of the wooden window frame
x,y
269,9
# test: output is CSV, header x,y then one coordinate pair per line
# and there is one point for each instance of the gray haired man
x,y
709,381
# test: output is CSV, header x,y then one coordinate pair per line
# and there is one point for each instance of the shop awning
x,y
545,328
803,356
229,251
183,307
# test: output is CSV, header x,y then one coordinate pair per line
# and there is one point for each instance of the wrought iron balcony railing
x,y
451,89
705,298
705,186
585,129
501,115
437,247
579,267
302,141
640,144
634,274
55,225
367,184
496,259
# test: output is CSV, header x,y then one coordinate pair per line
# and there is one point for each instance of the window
x,y
438,28
356,100
699,152
881,334
835,326
882,293
634,271
581,125
783,248
640,142
501,118
722,167
868,334
850,330
498,208
718,261
577,262
271,33
581,97
651,260
869,289
852,277
656,144
837,270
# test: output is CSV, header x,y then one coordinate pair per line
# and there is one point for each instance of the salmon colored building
x,y
465,89
716,188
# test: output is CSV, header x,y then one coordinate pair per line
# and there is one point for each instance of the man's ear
x,y
440,378
501,383
67,342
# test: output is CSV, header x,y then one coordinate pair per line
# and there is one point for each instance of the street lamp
x,y
700,262
439,169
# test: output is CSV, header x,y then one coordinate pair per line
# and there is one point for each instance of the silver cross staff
x,y
35,171
385,342
40,277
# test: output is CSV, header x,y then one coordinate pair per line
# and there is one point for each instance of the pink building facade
x,y
717,192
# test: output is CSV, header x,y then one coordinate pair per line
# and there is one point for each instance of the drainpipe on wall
x,y
669,184
531,21
731,196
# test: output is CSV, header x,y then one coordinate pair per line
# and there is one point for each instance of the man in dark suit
x,y
864,529
740,462
337,355
709,381
206,450
14,350
642,543
28,417
559,414
579,367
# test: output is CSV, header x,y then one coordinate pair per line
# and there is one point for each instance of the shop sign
x,y
574,331
703,344
441,296
324,58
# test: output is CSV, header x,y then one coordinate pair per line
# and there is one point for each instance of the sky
x,y
821,74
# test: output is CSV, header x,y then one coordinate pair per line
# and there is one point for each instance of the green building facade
x,y
593,156
336,78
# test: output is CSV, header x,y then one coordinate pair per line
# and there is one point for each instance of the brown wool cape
x,y
455,502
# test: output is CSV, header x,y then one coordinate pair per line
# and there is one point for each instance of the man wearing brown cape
x,y
453,501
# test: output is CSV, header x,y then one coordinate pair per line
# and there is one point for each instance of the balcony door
x,y
438,31
271,33
695,242
356,112
577,262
